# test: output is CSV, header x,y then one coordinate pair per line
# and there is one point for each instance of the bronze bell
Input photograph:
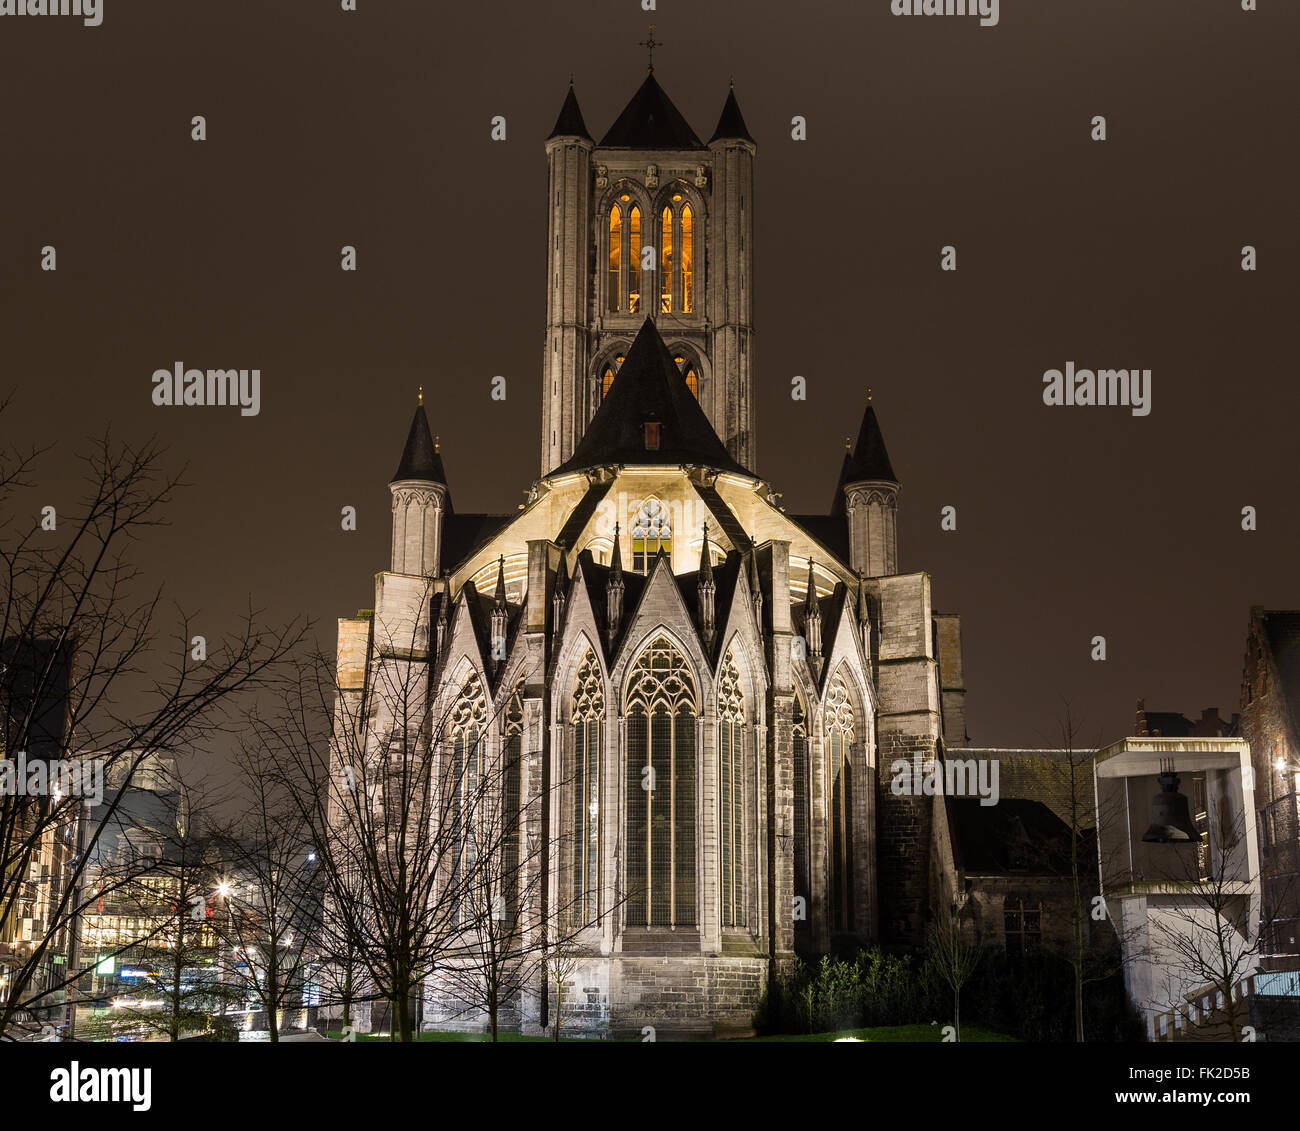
x,y
1171,820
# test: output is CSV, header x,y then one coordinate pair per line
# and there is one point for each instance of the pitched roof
x,y
649,388
570,123
732,122
870,460
420,458
651,121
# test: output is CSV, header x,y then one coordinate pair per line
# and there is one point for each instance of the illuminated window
x,y
512,751
839,744
587,720
634,262
666,263
614,285
688,250
661,711
731,792
652,531
607,378
691,376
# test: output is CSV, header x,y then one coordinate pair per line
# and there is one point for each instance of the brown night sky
x,y
372,128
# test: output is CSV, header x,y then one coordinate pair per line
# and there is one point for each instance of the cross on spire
x,y
650,44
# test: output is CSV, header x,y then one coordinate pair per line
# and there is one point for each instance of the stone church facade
x,y
705,692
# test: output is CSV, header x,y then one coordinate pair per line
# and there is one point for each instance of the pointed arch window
x,y
607,378
731,792
690,373
666,262
623,245
508,797
839,746
587,721
661,710
802,812
652,531
468,724
677,256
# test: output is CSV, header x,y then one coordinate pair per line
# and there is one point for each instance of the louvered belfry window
x,y
587,720
731,792
661,710
839,746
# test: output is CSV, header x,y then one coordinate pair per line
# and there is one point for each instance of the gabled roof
x,y
420,458
732,122
651,121
570,123
649,388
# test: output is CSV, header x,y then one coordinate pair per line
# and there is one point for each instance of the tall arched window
x,y
614,283
661,709
587,721
802,815
666,262
839,744
468,722
652,531
677,256
512,754
623,276
731,792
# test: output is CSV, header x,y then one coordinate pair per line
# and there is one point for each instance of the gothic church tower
x,y
649,222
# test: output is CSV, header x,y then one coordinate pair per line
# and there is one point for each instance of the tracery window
x,y
467,725
512,752
661,709
587,720
802,815
623,276
839,742
652,531
731,792
691,374
677,257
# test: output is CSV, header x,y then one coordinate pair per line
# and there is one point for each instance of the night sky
x,y
372,128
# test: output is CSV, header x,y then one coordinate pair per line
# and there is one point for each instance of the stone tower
x,y
420,502
868,495
649,222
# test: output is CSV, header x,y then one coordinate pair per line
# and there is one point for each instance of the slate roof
x,y
420,458
651,121
570,123
649,387
1013,837
732,122
869,460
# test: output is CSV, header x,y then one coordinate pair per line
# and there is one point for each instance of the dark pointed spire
x,y
870,460
810,598
813,624
614,591
651,121
500,614
864,614
500,600
649,389
705,590
706,559
755,587
732,122
420,458
570,123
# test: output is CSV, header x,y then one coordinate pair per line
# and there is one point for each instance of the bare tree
x,y
272,910
951,957
91,678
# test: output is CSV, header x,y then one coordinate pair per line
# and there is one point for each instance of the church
x,y
703,692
